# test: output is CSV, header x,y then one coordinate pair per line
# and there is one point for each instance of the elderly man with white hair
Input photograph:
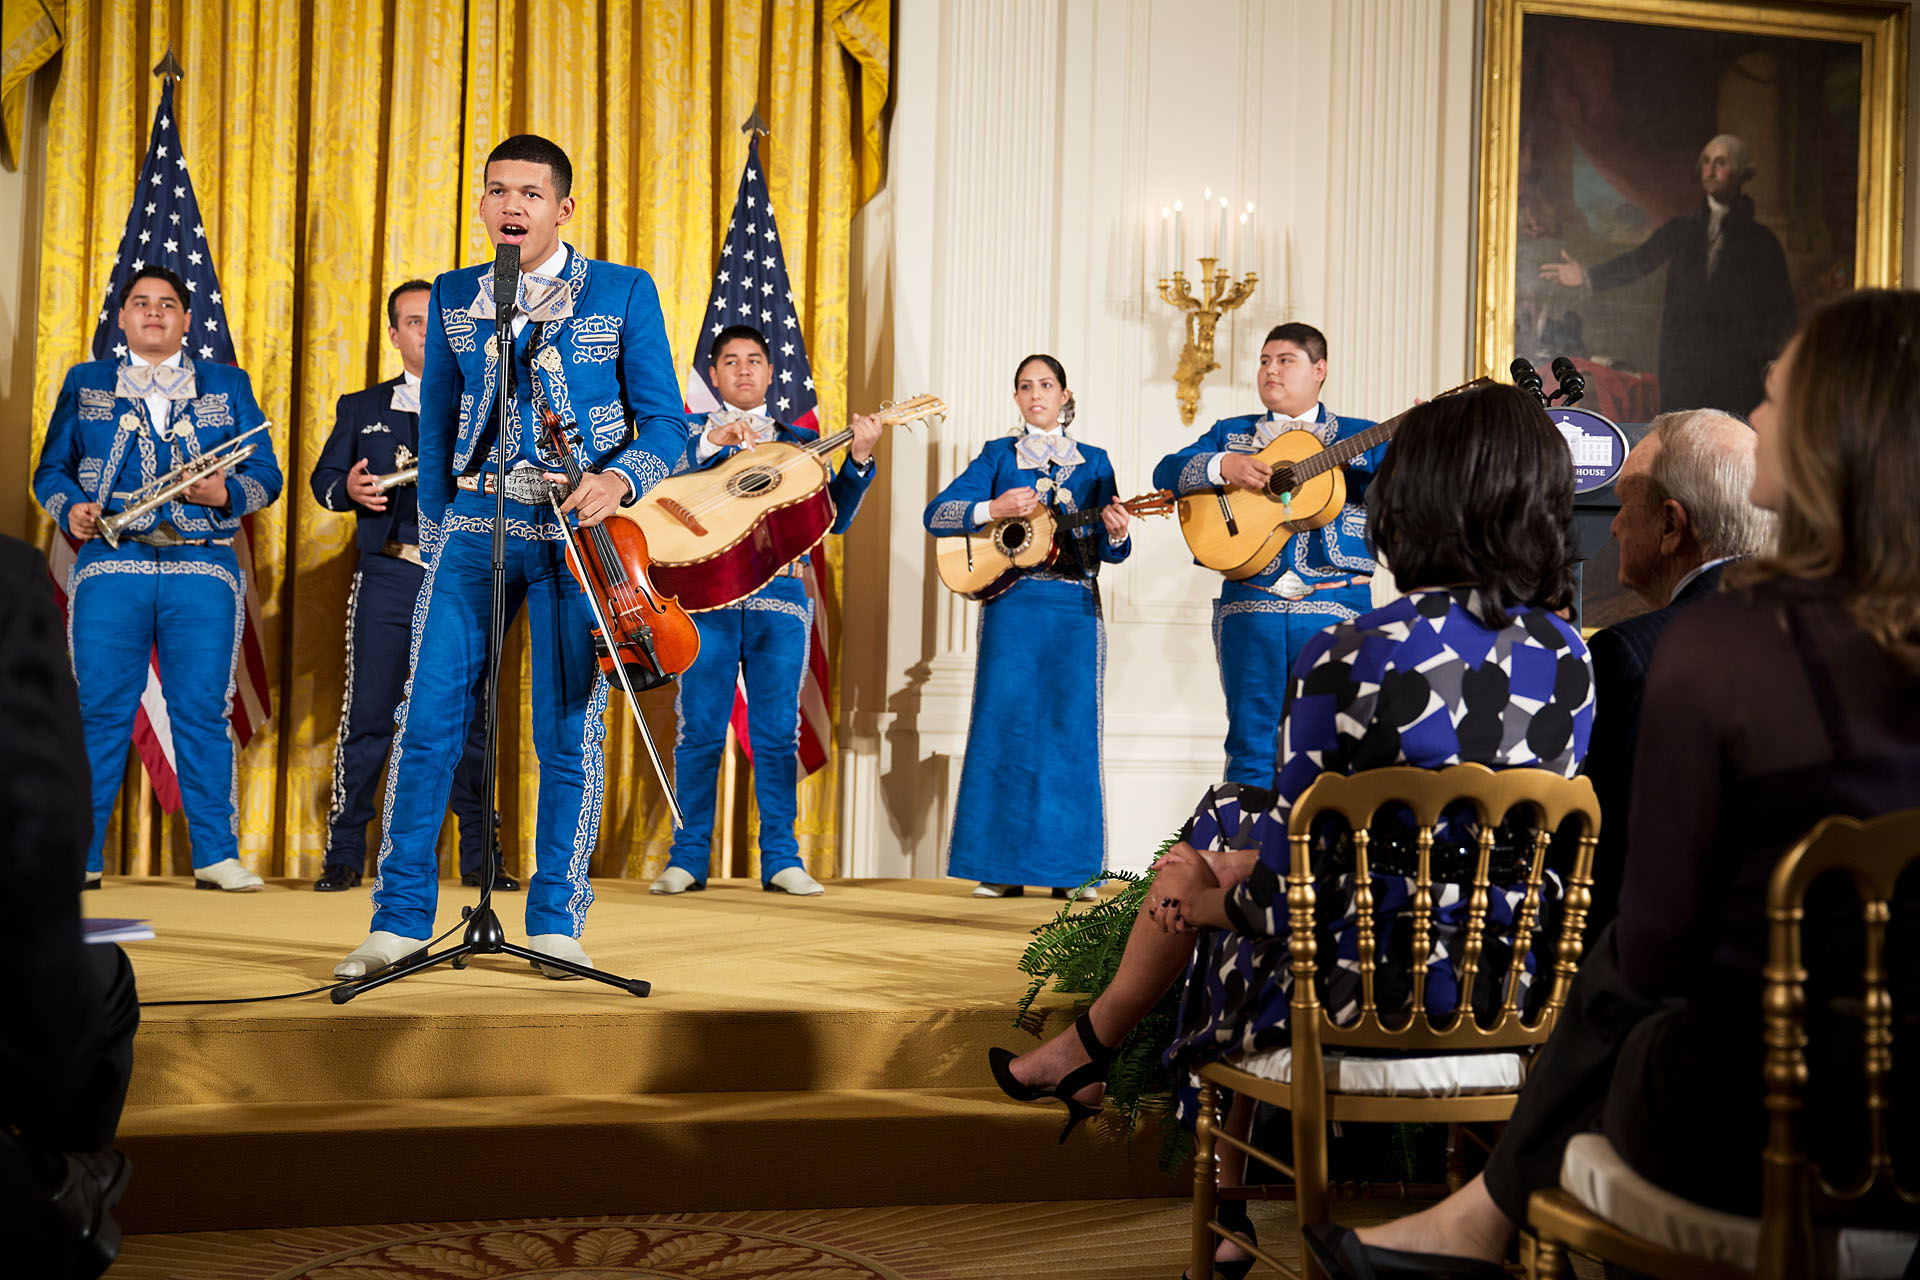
x,y
1684,516
1729,304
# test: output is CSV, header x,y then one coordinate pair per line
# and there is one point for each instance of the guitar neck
x,y
827,444
1342,452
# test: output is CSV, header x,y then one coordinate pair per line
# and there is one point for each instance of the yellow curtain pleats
x,y
337,150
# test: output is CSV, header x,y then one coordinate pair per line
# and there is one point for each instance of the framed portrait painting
x,y
1668,187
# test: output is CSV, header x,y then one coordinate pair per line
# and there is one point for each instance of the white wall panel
x,y
1034,143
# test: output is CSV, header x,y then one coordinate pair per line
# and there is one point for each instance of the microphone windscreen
x,y
506,275
1563,368
1524,374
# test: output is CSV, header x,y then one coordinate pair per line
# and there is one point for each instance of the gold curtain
x,y
337,150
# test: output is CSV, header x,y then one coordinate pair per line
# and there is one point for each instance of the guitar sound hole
x,y
1013,537
1282,482
754,480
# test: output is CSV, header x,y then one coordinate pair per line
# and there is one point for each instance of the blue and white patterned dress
x,y
1421,681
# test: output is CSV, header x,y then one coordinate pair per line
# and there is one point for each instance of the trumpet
x,y
229,453
394,479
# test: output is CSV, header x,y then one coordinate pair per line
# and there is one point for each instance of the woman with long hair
x,y
1793,695
1032,802
1471,508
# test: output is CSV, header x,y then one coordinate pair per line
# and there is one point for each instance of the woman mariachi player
x,y
1032,805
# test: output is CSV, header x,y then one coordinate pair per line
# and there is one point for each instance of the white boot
x,y
379,951
92,881
988,890
227,874
561,947
676,880
796,881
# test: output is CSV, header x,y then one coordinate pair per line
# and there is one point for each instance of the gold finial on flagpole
x,y
755,124
169,66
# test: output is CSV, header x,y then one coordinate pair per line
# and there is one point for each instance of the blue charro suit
x,y
613,377
1032,802
1258,632
763,636
100,447
386,586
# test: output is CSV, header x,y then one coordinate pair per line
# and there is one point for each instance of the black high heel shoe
x,y
1099,1056
1232,1214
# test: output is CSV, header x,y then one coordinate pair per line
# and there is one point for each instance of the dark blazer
x,y
44,787
366,425
1621,655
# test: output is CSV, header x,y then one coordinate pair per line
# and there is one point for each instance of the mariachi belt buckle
x,y
529,487
1291,586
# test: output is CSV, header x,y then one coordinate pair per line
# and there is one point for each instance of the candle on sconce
x,y
1179,236
1166,243
1208,248
1220,244
1242,245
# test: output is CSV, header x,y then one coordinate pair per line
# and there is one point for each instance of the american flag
x,y
750,287
164,227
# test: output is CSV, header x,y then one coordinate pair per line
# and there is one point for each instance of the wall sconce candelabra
x,y
1218,293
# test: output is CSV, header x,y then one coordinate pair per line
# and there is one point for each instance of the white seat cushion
x,y
1441,1076
1593,1173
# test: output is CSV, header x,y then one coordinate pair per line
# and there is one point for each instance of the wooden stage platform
x,y
794,1053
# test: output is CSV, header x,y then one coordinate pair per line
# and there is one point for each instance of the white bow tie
x,y
1037,449
1273,427
138,381
541,298
764,428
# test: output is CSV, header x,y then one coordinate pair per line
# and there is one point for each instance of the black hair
x,y
735,333
156,272
534,149
1477,489
393,299
1303,336
1059,375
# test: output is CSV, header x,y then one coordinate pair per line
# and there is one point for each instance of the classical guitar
x,y
1239,531
721,534
982,564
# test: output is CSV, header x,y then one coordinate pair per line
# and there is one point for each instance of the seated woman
x,y
1472,508
1793,695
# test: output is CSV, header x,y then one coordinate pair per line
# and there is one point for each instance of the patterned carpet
x,y
1084,1240
1110,1240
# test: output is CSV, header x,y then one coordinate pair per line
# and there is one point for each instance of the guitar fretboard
x,y
1344,451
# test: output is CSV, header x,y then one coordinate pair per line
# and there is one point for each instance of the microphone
x,y
506,282
1573,383
1527,378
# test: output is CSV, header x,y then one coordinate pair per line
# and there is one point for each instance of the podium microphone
x,y
506,283
1573,383
1527,378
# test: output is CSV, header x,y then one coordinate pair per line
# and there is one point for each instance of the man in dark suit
x,y
66,1040
1684,514
375,434
1729,304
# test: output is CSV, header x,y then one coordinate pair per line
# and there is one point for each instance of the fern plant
x,y
1078,951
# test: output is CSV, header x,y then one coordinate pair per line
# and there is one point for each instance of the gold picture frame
x,y
1878,31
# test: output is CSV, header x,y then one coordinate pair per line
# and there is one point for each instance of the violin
x,y
653,639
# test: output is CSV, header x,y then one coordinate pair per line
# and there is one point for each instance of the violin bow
x,y
619,667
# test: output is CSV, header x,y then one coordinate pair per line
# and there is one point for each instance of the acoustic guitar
x,y
721,534
983,564
1239,531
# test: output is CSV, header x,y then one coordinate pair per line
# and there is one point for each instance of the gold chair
x,y
1467,1072
1653,1231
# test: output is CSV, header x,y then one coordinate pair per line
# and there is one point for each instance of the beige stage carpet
x,y
825,1052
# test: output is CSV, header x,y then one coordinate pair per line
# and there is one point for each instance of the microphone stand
x,y
483,934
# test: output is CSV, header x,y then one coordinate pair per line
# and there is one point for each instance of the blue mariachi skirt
x,y
1032,805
